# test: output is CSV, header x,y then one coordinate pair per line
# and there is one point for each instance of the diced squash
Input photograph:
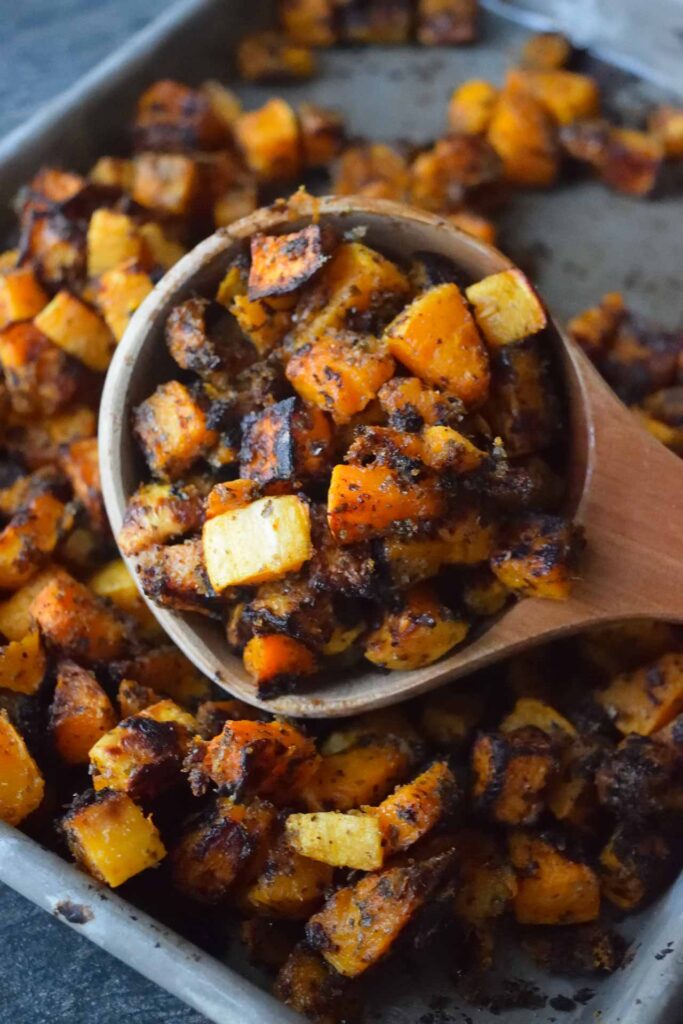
x,y
483,594
341,840
77,329
471,107
415,808
282,263
306,982
524,135
447,450
172,430
486,881
229,496
339,373
285,442
30,537
212,715
372,169
633,865
626,160
666,123
262,541
386,724
79,624
567,95
174,576
165,182
202,337
113,238
133,697
530,711
121,290
647,699
16,619
506,307
538,557
546,51
446,22
410,405
21,784
21,296
267,55
80,461
511,774
161,251
114,171
365,501
115,582
215,849
157,513
275,662
40,377
361,775
290,886
111,837
80,713
524,406
269,140
143,755
172,116
553,887
308,22
417,634
23,664
437,339
270,759
360,923
167,671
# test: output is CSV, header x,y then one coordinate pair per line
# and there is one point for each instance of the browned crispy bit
x,y
282,263
626,160
172,429
174,576
269,56
538,556
285,443
444,22
203,337
159,512
40,377
211,715
372,169
511,774
635,780
312,987
575,949
524,405
290,606
172,117
635,864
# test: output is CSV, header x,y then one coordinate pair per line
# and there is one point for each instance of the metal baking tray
x,y
579,242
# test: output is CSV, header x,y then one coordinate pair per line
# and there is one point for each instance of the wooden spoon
x,y
625,488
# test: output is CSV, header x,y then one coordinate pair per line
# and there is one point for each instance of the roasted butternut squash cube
x,y
413,560
553,886
360,923
567,95
647,699
111,838
372,169
231,495
172,116
114,582
16,620
21,296
456,168
290,886
23,664
487,884
666,123
471,106
410,405
165,182
285,442
39,376
217,846
114,171
143,755
156,513
21,784
264,321
282,263
113,238
308,22
447,450
626,160
437,339
311,987
341,840
420,632
391,724
366,501
269,759
524,135
80,462
212,715
483,594
276,662
634,865
539,557
474,224
524,406
80,713
511,774
30,537
322,134
415,808
172,429
446,22
167,671
546,51
79,624
203,338
77,329
362,774
174,576
270,56
531,711
133,697
269,140
121,290
506,307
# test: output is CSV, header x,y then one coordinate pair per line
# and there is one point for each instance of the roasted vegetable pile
x,y
365,448
543,794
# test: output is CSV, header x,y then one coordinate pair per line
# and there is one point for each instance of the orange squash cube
x,y
366,501
524,135
269,140
275,662
77,329
420,632
23,664
21,296
21,784
80,713
647,699
553,888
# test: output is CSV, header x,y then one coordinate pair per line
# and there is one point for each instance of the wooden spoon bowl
x,y
624,487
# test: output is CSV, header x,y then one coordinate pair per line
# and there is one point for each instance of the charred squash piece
x,y
636,780
110,836
172,429
360,923
363,774
437,339
446,22
212,715
553,887
322,134
258,543
115,583
415,808
483,594
266,322
40,377
276,662
21,784
417,634
282,263
79,624
167,671
382,725
143,755
410,405
80,713
80,462
487,881
506,307
174,576
271,56
270,759
626,160
30,537
202,337
285,442
171,117
16,619
524,405
471,107
455,169
529,711
290,886
539,557
366,501
269,140
166,183
215,849
634,865
133,697
156,513
372,169
447,451
231,495
23,664
647,699
524,135
511,774
78,330
311,987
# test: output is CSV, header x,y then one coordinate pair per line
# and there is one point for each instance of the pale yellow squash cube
x,y
342,840
77,329
258,543
113,238
506,307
